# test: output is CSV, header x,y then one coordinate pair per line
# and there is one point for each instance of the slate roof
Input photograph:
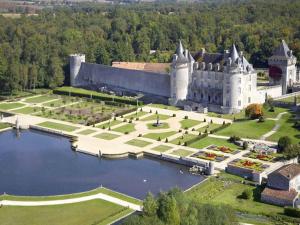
x,y
282,50
290,195
147,67
288,171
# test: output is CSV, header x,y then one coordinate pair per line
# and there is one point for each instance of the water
x,y
38,164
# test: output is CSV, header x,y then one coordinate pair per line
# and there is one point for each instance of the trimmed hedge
x,y
290,211
79,92
220,128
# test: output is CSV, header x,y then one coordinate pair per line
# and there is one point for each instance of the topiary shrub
x,y
167,140
211,121
179,142
156,112
204,120
186,117
283,143
224,123
247,194
103,127
158,139
179,130
140,135
193,129
245,145
186,128
125,120
234,139
261,119
137,119
186,132
185,144
174,115
126,132
130,121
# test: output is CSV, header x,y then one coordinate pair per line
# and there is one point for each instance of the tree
x,y
150,205
168,211
284,142
254,111
56,73
291,151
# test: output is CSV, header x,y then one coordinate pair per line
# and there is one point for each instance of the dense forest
x,y
34,50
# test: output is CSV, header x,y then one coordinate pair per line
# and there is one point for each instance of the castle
x,y
219,82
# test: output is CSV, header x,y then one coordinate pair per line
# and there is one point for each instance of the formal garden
x,y
211,156
249,164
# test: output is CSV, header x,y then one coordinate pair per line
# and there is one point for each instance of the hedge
x,y
290,211
94,94
220,128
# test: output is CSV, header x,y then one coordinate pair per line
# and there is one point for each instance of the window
x,y
239,103
249,99
240,80
227,89
240,90
194,94
249,87
227,102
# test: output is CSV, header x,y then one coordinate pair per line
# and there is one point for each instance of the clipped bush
x,y
185,144
125,120
130,121
204,120
186,117
283,143
126,132
174,115
234,139
103,127
245,145
137,119
247,194
179,130
211,121
254,111
140,135
179,142
186,132
186,128
167,140
193,129
261,119
158,139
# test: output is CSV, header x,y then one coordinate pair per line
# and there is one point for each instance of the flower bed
x,y
260,156
257,166
209,156
223,149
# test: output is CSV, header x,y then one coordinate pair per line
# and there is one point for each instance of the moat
x,y
34,163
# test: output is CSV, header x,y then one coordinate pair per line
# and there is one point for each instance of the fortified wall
x,y
119,78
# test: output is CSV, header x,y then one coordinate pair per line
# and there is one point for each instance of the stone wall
x,y
275,201
134,80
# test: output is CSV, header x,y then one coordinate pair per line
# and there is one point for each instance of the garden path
x,y
275,128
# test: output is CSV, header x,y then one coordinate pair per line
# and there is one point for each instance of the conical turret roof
x,y
180,48
282,50
234,53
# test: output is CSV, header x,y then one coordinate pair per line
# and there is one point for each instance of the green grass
x,y
205,142
12,105
286,129
154,117
138,143
209,127
162,148
182,152
161,106
4,125
40,99
58,103
227,191
183,138
86,132
121,196
112,123
88,212
106,136
188,123
58,126
152,126
27,110
136,115
163,135
127,128
277,110
248,129
290,99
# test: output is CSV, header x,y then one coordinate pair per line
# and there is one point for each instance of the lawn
x,y
138,143
163,135
248,129
127,128
40,99
86,132
162,148
106,136
290,99
58,126
188,123
152,126
277,110
154,117
227,191
136,115
112,123
9,106
182,152
91,212
209,127
4,125
60,102
27,110
286,129
161,106
205,142
183,138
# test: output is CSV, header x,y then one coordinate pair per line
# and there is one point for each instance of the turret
x,y
282,67
180,74
75,64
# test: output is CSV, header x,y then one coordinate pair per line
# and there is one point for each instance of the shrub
x,y
174,115
234,139
115,118
272,109
186,117
247,194
211,121
179,142
103,127
137,119
245,145
159,139
185,144
290,211
261,119
141,110
283,143
204,120
186,128
150,111
126,132
186,132
199,133
156,112
193,129
167,140
224,123
254,111
205,131
130,121
140,135
180,131
125,120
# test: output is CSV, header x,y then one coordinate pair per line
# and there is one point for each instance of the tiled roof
x,y
147,67
289,171
280,194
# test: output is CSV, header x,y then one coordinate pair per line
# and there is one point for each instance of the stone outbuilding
x,y
283,186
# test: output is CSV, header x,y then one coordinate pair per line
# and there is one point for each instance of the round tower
x,y
179,77
75,64
211,168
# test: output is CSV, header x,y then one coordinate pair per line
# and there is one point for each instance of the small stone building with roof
x,y
283,186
